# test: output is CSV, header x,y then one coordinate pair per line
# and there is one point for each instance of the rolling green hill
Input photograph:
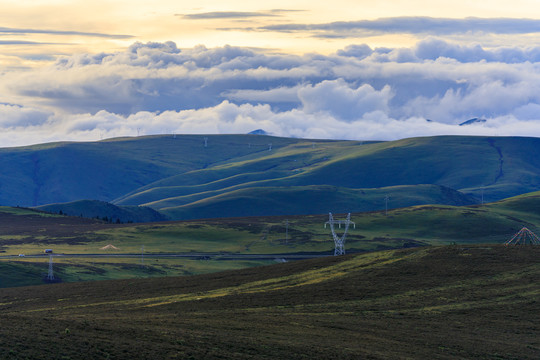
x,y
105,170
315,199
185,179
105,211
452,302
494,168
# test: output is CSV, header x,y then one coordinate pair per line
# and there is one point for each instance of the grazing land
x,y
25,231
449,302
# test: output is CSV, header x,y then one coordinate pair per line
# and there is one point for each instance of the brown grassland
x,y
444,302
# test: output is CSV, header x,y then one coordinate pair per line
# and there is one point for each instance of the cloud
x,y
24,42
236,14
411,25
358,51
229,15
357,93
491,99
433,48
16,116
18,31
341,101
229,118
275,95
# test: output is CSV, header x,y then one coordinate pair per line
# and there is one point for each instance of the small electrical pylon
x,y
286,231
205,141
482,201
523,237
50,275
386,198
339,241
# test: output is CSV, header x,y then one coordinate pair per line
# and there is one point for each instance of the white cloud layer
x,y
356,93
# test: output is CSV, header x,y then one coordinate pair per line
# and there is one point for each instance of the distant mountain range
x,y
195,176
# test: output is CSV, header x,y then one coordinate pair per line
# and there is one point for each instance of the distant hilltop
x,y
258,132
473,121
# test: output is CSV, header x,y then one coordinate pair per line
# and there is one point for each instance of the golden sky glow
x,y
167,20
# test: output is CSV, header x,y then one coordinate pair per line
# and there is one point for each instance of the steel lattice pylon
x,y
339,241
524,237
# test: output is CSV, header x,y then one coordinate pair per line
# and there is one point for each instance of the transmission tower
x,y
339,241
524,237
205,141
50,275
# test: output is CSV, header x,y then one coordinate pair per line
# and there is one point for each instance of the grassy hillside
x,y
171,172
264,201
494,168
105,211
104,170
443,302
315,199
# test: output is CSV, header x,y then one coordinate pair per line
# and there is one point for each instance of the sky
x,y
358,70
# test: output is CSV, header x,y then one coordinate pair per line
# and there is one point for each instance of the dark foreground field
x,y
453,302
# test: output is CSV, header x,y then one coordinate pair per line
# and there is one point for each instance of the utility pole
x,y
286,231
50,275
482,196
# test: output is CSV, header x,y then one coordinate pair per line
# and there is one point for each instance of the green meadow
x,y
30,232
